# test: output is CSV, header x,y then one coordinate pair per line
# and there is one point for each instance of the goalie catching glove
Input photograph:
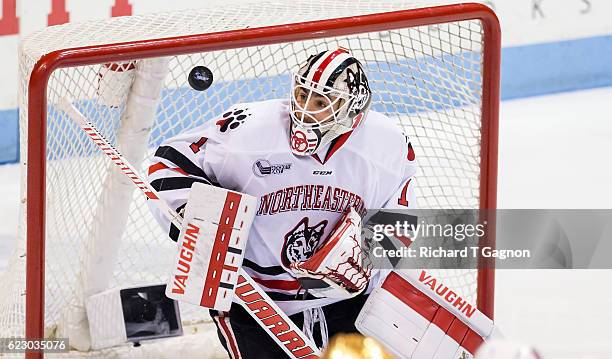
x,y
338,268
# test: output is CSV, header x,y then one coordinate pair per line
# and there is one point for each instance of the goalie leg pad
x,y
410,324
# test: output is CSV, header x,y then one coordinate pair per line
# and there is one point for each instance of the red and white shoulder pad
x,y
414,315
210,247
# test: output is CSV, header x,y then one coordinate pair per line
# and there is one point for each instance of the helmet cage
x,y
335,100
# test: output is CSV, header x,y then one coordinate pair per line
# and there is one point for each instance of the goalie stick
x,y
247,293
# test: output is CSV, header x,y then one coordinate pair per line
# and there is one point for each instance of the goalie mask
x,y
330,96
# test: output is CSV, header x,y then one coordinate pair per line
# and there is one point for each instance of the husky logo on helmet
x,y
358,85
330,96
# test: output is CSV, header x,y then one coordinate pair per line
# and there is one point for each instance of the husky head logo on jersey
x,y
302,241
330,96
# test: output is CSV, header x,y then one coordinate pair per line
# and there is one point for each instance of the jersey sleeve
x,y
193,156
403,196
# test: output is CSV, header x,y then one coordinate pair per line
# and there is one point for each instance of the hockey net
x,y
433,70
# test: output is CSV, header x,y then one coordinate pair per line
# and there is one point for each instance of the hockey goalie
x,y
314,162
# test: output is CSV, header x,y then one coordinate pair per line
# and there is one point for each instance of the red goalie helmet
x,y
330,96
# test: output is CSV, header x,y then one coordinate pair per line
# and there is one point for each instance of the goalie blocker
x,y
211,246
416,316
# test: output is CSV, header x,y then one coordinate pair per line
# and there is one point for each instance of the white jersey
x,y
300,198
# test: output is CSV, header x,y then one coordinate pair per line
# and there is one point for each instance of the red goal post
x,y
241,38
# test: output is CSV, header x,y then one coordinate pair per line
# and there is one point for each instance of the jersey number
x,y
195,147
403,200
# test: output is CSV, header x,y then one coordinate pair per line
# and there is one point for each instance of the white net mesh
x,y
427,78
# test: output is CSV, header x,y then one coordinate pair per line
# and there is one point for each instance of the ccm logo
x,y
322,173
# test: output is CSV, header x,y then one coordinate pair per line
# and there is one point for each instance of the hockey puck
x,y
200,78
